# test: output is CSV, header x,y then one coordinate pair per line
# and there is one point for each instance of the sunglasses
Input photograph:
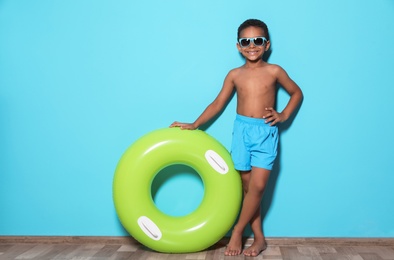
x,y
257,41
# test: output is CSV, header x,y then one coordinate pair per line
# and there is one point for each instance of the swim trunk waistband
x,y
252,120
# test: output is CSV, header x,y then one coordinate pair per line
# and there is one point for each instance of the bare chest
x,y
255,83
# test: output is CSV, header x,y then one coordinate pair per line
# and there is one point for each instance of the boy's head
x,y
254,23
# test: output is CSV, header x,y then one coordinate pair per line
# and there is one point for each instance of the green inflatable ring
x,y
137,211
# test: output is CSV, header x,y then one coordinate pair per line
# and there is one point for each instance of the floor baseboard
x,y
271,241
116,240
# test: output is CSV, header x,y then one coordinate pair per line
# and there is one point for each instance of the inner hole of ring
x,y
177,190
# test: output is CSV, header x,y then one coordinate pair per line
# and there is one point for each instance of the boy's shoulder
x,y
273,68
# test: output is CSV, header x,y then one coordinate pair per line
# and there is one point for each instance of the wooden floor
x,y
80,248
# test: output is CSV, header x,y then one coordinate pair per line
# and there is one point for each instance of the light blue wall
x,y
82,80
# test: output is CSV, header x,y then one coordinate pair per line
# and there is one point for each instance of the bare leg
x,y
254,183
259,243
235,245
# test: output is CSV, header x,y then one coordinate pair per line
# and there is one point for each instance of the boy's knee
x,y
257,187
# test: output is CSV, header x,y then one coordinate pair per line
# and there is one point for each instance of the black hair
x,y
254,23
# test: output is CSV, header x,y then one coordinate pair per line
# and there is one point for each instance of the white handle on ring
x,y
149,227
216,161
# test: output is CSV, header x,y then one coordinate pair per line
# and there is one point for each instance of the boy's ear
x,y
238,47
267,45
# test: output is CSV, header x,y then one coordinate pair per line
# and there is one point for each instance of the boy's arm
x,y
295,98
212,109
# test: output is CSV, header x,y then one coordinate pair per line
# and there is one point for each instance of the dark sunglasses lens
x,y
244,42
258,41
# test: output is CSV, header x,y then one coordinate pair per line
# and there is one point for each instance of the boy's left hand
x,y
273,116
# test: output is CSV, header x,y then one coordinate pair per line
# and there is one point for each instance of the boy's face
x,y
255,50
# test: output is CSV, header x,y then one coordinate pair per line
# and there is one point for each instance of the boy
x,y
255,136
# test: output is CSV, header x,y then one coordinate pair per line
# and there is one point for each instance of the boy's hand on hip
x,y
273,117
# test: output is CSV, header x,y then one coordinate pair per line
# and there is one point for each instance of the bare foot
x,y
256,248
234,247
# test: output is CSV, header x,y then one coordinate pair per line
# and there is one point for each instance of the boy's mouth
x,y
252,52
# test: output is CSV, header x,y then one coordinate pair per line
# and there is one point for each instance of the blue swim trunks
x,y
255,143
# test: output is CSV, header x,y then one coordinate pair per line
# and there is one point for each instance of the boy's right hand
x,y
183,126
